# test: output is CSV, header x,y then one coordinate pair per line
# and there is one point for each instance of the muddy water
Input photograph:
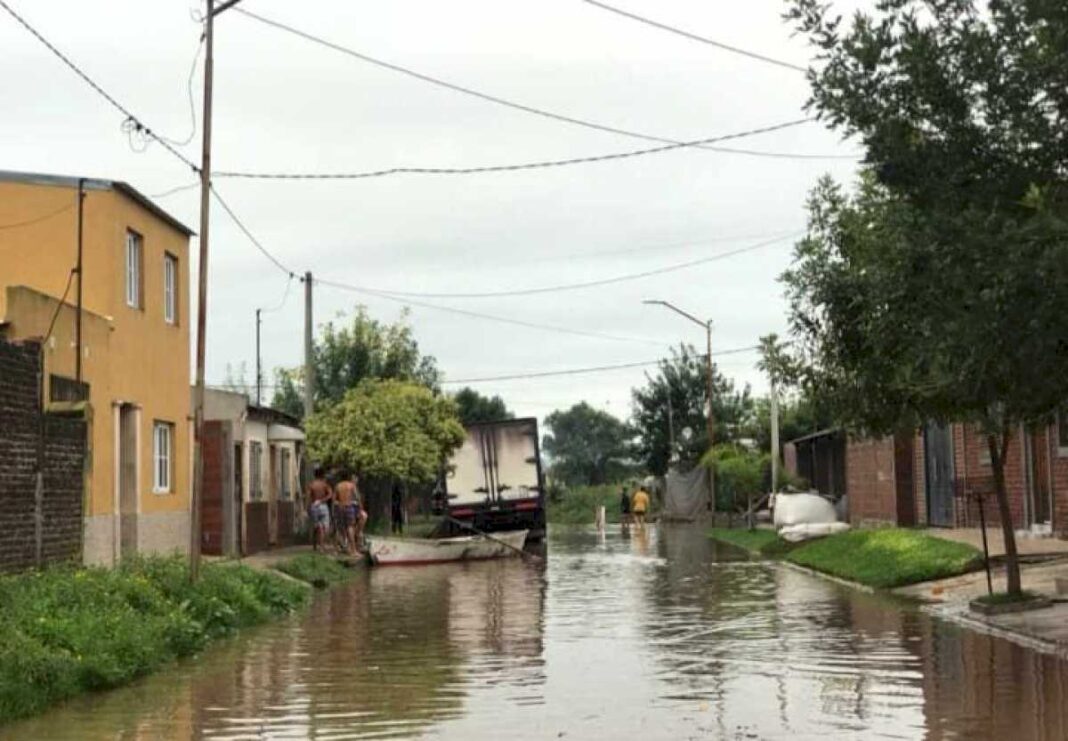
x,y
665,636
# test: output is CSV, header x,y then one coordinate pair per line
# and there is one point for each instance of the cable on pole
x,y
240,225
695,37
37,219
513,104
543,164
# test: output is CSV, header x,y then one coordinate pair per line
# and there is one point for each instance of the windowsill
x,y
162,492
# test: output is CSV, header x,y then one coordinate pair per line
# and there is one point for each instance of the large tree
x,y
940,290
587,445
474,407
387,429
673,402
349,350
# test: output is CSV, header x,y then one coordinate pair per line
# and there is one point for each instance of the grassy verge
x,y
760,542
68,631
577,505
882,558
316,569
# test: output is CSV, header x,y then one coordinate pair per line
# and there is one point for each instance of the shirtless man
x,y
348,504
319,493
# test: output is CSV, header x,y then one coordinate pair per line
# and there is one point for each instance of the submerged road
x,y
665,635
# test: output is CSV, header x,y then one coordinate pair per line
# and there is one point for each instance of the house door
x,y
1036,448
237,506
938,458
127,480
272,496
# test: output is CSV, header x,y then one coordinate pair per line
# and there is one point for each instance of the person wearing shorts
x,y
349,513
639,505
320,495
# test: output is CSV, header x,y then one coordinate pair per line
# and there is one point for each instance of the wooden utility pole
x,y
309,350
202,297
774,434
78,316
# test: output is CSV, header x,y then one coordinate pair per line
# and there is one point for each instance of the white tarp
x,y
802,509
686,495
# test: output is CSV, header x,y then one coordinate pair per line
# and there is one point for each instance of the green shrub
x,y
73,630
315,569
577,505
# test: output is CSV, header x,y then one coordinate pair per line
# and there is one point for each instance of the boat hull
x,y
418,551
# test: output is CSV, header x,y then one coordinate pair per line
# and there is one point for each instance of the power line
x,y
240,225
510,103
37,219
192,102
138,124
285,295
594,283
62,301
543,164
488,317
176,189
694,37
592,369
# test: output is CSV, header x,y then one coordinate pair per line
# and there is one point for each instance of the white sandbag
x,y
808,531
796,509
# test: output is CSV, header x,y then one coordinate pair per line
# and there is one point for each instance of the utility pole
x,y
202,285
259,370
309,367
774,434
78,316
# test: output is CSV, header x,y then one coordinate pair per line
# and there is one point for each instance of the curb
x,y
830,577
958,616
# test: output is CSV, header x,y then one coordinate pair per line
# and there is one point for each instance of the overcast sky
x,y
284,104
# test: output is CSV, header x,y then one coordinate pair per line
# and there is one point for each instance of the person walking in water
x,y
639,505
320,494
624,506
348,509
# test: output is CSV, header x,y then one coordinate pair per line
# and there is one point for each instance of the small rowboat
x,y
416,551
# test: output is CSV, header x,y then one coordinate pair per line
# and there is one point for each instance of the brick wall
x,y
64,458
870,481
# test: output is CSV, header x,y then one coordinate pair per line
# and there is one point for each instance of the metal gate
x,y
938,466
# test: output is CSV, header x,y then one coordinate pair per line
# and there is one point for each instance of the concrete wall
x,y
64,449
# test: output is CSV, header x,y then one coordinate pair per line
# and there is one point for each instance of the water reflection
x,y
655,634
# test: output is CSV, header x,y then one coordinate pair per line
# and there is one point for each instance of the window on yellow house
x,y
170,289
162,456
134,260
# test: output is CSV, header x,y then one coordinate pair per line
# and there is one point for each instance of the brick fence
x,y
25,433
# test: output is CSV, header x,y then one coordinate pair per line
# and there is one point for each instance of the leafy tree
x,y
587,445
346,352
474,407
679,391
387,429
799,415
938,290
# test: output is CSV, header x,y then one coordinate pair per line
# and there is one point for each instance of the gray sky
x,y
284,104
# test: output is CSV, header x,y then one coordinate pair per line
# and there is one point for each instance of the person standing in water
x,y
348,509
639,505
624,506
396,508
320,494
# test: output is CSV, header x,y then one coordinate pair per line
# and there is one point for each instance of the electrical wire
x,y
192,102
177,189
55,314
694,37
592,369
543,164
591,283
512,104
138,124
240,225
285,295
37,219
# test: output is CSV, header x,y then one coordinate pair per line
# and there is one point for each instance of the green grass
x,y
577,505
886,557
68,631
316,569
760,542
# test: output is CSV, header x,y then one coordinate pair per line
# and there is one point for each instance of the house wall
x,y
870,481
64,452
144,361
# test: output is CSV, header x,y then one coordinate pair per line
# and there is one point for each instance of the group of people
x,y
340,506
633,507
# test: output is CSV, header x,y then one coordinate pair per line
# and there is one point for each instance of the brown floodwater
x,y
662,636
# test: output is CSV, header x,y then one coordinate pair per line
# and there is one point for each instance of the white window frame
x,y
255,471
285,471
170,288
162,457
135,258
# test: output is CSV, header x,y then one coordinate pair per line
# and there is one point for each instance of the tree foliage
x,y
474,407
938,290
387,429
349,350
680,385
587,445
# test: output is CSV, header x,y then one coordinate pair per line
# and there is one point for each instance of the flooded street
x,y
667,636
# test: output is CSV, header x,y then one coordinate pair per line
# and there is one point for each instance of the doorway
x,y
272,496
938,467
128,415
1039,498
239,500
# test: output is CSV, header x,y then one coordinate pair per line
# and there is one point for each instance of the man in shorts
x,y
639,505
350,512
320,495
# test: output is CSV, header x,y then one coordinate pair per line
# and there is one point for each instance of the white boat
x,y
416,551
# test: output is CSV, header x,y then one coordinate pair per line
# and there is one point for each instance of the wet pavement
x,y
663,636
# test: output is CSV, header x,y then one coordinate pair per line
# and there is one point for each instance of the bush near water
x,y
71,630
577,505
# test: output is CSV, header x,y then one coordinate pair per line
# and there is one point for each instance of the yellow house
x,y
134,345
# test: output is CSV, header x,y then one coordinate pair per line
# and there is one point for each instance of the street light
x,y
708,357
